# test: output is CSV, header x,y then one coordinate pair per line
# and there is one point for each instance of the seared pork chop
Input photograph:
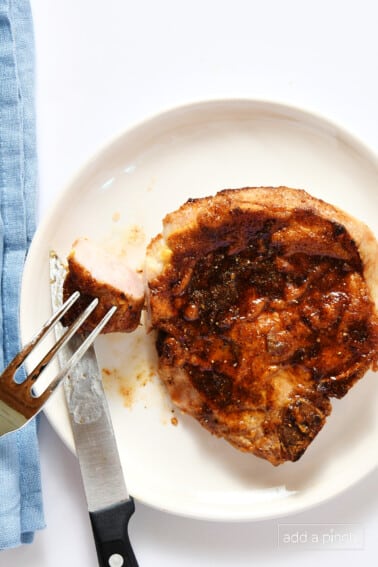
x,y
96,273
265,305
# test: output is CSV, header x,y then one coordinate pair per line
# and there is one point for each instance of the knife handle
x,y
111,536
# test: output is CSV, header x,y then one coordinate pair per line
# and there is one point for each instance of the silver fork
x,y
19,402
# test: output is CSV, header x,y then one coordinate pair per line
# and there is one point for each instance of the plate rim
x,y
116,137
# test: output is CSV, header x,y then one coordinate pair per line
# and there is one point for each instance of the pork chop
x,y
96,273
265,305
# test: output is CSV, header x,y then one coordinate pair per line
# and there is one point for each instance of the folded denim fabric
x,y
21,512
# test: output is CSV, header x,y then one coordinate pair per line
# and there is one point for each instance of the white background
x,y
102,66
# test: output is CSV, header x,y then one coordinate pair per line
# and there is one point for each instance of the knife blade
x,y
110,506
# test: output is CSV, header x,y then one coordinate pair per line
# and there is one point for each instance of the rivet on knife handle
x,y
111,536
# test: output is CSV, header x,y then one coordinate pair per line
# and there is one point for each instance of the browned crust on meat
x,y
279,202
265,301
128,313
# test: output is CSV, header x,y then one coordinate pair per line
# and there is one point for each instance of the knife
x,y
110,506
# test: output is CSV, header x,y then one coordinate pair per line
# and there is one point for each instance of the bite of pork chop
x,y
96,273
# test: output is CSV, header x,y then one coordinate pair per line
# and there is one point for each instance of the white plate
x,y
124,192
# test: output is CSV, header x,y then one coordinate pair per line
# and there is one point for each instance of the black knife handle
x,y
111,536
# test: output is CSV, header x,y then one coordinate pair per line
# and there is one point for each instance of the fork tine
x,y
79,353
19,403
16,362
49,356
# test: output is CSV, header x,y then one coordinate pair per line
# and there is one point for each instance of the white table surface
x,y
102,66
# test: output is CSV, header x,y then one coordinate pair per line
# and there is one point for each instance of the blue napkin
x,y
20,486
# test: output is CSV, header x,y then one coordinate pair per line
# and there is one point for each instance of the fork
x,y
19,401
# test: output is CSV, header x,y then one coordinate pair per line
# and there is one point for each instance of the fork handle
x,y
111,535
